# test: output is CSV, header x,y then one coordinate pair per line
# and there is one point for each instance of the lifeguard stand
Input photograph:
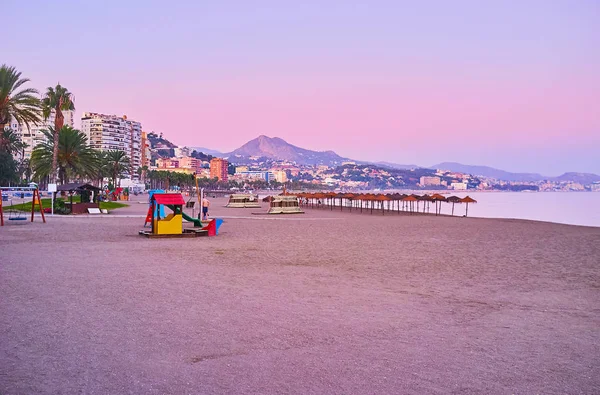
x,y
172,224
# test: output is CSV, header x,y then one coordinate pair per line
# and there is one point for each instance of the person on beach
x,y
205,205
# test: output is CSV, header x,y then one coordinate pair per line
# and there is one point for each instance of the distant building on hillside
x,y
280,176
187,165
34,136
426,180
181,152
218,169
458,186
255,175
111,132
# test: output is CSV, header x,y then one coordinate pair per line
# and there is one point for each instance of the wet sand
x,y
325,302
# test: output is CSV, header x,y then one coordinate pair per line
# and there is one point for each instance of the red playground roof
x,y
168,198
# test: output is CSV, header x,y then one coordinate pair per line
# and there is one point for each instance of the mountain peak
x,y
279,149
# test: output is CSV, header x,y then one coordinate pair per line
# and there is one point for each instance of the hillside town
x,y
151,156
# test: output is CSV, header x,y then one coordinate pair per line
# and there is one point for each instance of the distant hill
x,y
397,165
582,178
207,151
487,171
279,149
159,142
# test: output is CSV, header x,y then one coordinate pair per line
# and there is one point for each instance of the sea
x,y
574,208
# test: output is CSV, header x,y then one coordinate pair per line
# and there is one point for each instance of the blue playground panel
x,y
162,208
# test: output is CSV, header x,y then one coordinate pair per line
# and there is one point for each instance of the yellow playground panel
x,y
172,224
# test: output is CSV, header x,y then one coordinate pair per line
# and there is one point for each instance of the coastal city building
x,y
426,181
218,169
280,176
146,151
186,164
458,186
255,175
111,132
34,135
181,152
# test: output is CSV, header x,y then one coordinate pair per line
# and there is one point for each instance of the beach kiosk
x,y
285,204
243,200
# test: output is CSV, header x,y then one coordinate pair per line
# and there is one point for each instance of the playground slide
x,y
195,221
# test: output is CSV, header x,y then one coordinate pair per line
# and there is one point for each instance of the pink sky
x,y
510,85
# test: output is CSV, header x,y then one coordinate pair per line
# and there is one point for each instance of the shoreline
x,y
133,204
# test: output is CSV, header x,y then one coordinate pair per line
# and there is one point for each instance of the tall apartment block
x,y
146,152
111,132
34,136
218,169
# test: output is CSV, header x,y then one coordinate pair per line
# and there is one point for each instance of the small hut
x,y
243,200
285,204
88,196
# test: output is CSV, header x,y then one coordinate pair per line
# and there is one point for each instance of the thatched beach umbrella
x,y
467,200
426,199
436,197
369,197
381,199
411,199
350,197
453,200
331,197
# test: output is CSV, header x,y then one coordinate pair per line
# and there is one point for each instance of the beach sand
x,y
324,302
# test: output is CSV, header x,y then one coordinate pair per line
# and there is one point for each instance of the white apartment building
x,y
111,132
34,136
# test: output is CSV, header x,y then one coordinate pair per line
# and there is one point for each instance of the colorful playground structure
x,y
171,225
17,215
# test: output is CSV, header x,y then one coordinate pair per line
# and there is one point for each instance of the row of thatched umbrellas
x,y
395,201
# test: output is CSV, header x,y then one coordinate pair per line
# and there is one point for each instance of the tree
x,y
24,106
102,169
57,99
10,142
8,168
118,164
24,169
75,158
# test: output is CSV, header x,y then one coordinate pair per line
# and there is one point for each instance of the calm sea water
x,y
575,208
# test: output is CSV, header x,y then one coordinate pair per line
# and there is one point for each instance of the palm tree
x,y
57,99
10,142
75,158
24,106
103,169
118,163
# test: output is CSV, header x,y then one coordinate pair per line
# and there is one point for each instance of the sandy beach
x,y
324,302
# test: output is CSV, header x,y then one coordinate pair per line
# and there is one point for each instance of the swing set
x,y
18,215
